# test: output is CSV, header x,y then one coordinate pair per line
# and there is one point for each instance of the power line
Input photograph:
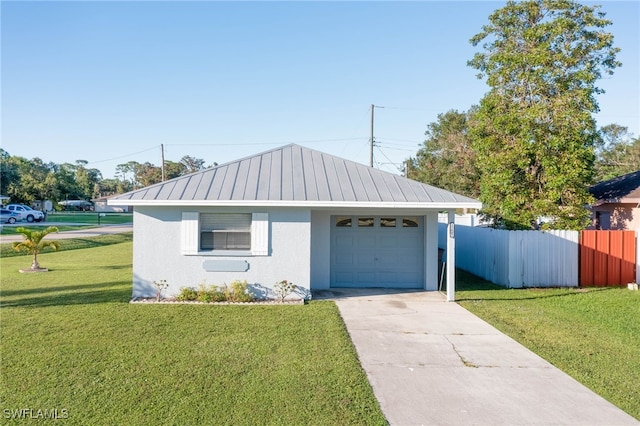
x,y
124,156
388,159
401,149
410,108
221,144
265,143
383,138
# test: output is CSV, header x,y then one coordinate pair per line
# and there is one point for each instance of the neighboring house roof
x,y
293,175
104,199
621,189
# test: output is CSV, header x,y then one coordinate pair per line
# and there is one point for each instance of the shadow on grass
x,y
108,292
6,249
98,241
65,288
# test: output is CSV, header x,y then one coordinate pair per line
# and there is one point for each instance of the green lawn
x,y
593,334
71,341
11,230
6,250
90,218
76,220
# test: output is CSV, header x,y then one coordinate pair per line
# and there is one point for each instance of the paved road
x,y
432,362
81,233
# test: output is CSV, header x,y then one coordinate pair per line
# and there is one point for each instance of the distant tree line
x,y
28,180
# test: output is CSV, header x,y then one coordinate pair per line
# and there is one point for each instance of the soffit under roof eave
x,y
308,204
623,200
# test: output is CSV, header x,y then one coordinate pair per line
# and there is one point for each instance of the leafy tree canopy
x,y
618,153
534,133
446,158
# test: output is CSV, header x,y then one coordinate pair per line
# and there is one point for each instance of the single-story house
x,y
293,214
617,205
100,205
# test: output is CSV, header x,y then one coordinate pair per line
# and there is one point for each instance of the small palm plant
x,y
34,243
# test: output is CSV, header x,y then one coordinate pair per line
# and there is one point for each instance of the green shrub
x,y
204,295
209,294
284,288
216,294
238,291
187,294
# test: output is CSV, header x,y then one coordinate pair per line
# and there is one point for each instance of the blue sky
x,y
108,82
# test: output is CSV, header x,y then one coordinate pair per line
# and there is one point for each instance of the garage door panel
x,y
409,241
377,256
408,277
366,277
365,259
387,261
366,242
407,257
344,278
343,241
388,242
388,277
344,259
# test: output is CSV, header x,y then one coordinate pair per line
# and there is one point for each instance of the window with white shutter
x,y
225,231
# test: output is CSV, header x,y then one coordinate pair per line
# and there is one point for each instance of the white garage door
x,y
377,251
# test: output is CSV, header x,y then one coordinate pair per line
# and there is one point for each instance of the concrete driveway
x,y
431,362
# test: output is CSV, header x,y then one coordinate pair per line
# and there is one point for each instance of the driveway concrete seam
x,y
465,362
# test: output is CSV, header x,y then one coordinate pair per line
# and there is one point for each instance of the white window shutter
x,y
260,234
189,233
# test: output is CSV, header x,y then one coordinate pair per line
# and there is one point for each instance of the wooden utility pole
x,y
162,166
371,139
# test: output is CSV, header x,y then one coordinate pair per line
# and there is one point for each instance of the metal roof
x,y
621,189
295,175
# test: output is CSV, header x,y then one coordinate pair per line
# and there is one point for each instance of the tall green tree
x,y
617,154
8,172
147,174
87,179
192,164
68,188
534,132
108,187
446,158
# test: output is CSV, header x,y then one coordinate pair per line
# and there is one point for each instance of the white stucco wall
x,y
320,250
157,252
431,251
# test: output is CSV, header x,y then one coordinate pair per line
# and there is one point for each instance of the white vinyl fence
x,y
516,259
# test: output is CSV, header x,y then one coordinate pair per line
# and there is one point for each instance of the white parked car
x,y
26,212
7,216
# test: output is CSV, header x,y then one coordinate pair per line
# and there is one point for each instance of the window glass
x,y
365,222
225,231
343,222
410,222
387,222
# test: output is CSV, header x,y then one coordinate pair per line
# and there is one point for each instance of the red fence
x,y
607,258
